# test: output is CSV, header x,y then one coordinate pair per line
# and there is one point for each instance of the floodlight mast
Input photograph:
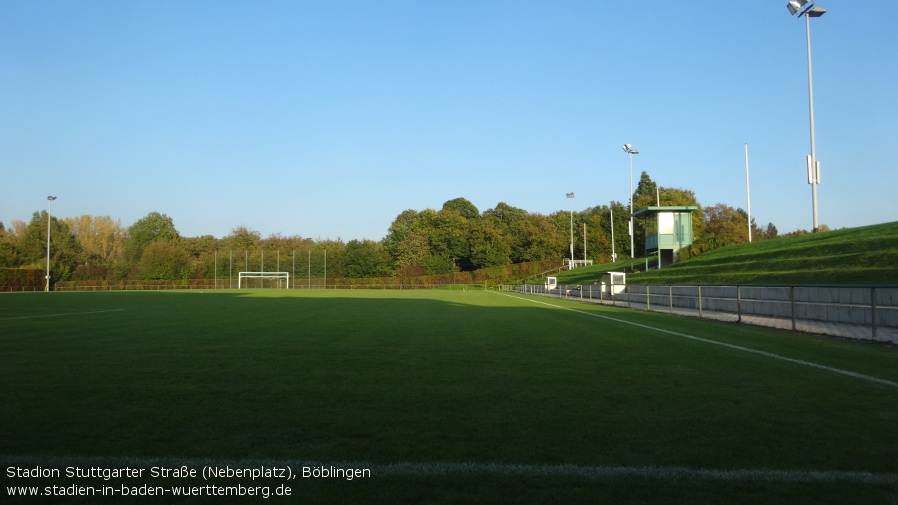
x,y
630,151
611,218
807,9
47,286
571,198
747,191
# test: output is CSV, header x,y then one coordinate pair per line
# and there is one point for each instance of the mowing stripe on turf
x,y
802,362
99,311
471,469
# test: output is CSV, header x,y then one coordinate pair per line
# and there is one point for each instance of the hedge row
x,y
492,276
18,279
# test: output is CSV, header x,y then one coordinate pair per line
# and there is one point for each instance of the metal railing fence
x,y
862,312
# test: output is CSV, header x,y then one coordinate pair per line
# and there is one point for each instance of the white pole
x,y
572,232
630,152
748,191
571,198
613,254
215,283
632,255
631,205
49,199
814,174
325,269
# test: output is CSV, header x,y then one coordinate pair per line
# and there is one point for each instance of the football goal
x,y
281,279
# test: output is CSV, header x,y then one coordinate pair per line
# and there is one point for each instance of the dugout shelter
x,y
667,230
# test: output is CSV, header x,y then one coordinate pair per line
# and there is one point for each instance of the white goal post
x,y
263,275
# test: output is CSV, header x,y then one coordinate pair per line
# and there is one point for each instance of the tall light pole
x,y
748,191
571,197
584,243
806,8
630,151
49,199
611,218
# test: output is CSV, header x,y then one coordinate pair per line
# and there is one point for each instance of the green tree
x,y
456,238
101,238
438,264
151,228
646,195
243,239
102,241
722,225
545,239
758,233
202,252
515,227
366,258
65,252
404,223
449,237
7,248
411,252
463,207
767,233
725,225
328,257
646,192
598,242
198,246
618,218
165,260
562,221
488,246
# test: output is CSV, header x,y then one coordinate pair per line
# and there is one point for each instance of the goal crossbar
x,y
262,275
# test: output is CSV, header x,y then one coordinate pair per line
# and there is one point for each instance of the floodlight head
x,y
570,195
633,151
795,6
816,12
51,198
626,148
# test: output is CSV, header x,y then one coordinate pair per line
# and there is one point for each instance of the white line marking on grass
x,y
472,469
848,373
99,311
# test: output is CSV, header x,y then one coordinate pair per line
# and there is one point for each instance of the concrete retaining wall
x,y
869,312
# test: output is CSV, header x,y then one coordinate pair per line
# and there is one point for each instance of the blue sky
x,y
328,119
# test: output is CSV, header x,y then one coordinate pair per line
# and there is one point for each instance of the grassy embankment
x,y
865,255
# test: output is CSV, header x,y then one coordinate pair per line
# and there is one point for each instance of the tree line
x,y
456,238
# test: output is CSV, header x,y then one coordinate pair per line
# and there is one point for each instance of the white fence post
x,y
792,302
739,303
873,311
699,302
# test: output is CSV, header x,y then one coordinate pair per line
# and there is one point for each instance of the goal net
x,y
274,280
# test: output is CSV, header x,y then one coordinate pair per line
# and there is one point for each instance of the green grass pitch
x,y
447,396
